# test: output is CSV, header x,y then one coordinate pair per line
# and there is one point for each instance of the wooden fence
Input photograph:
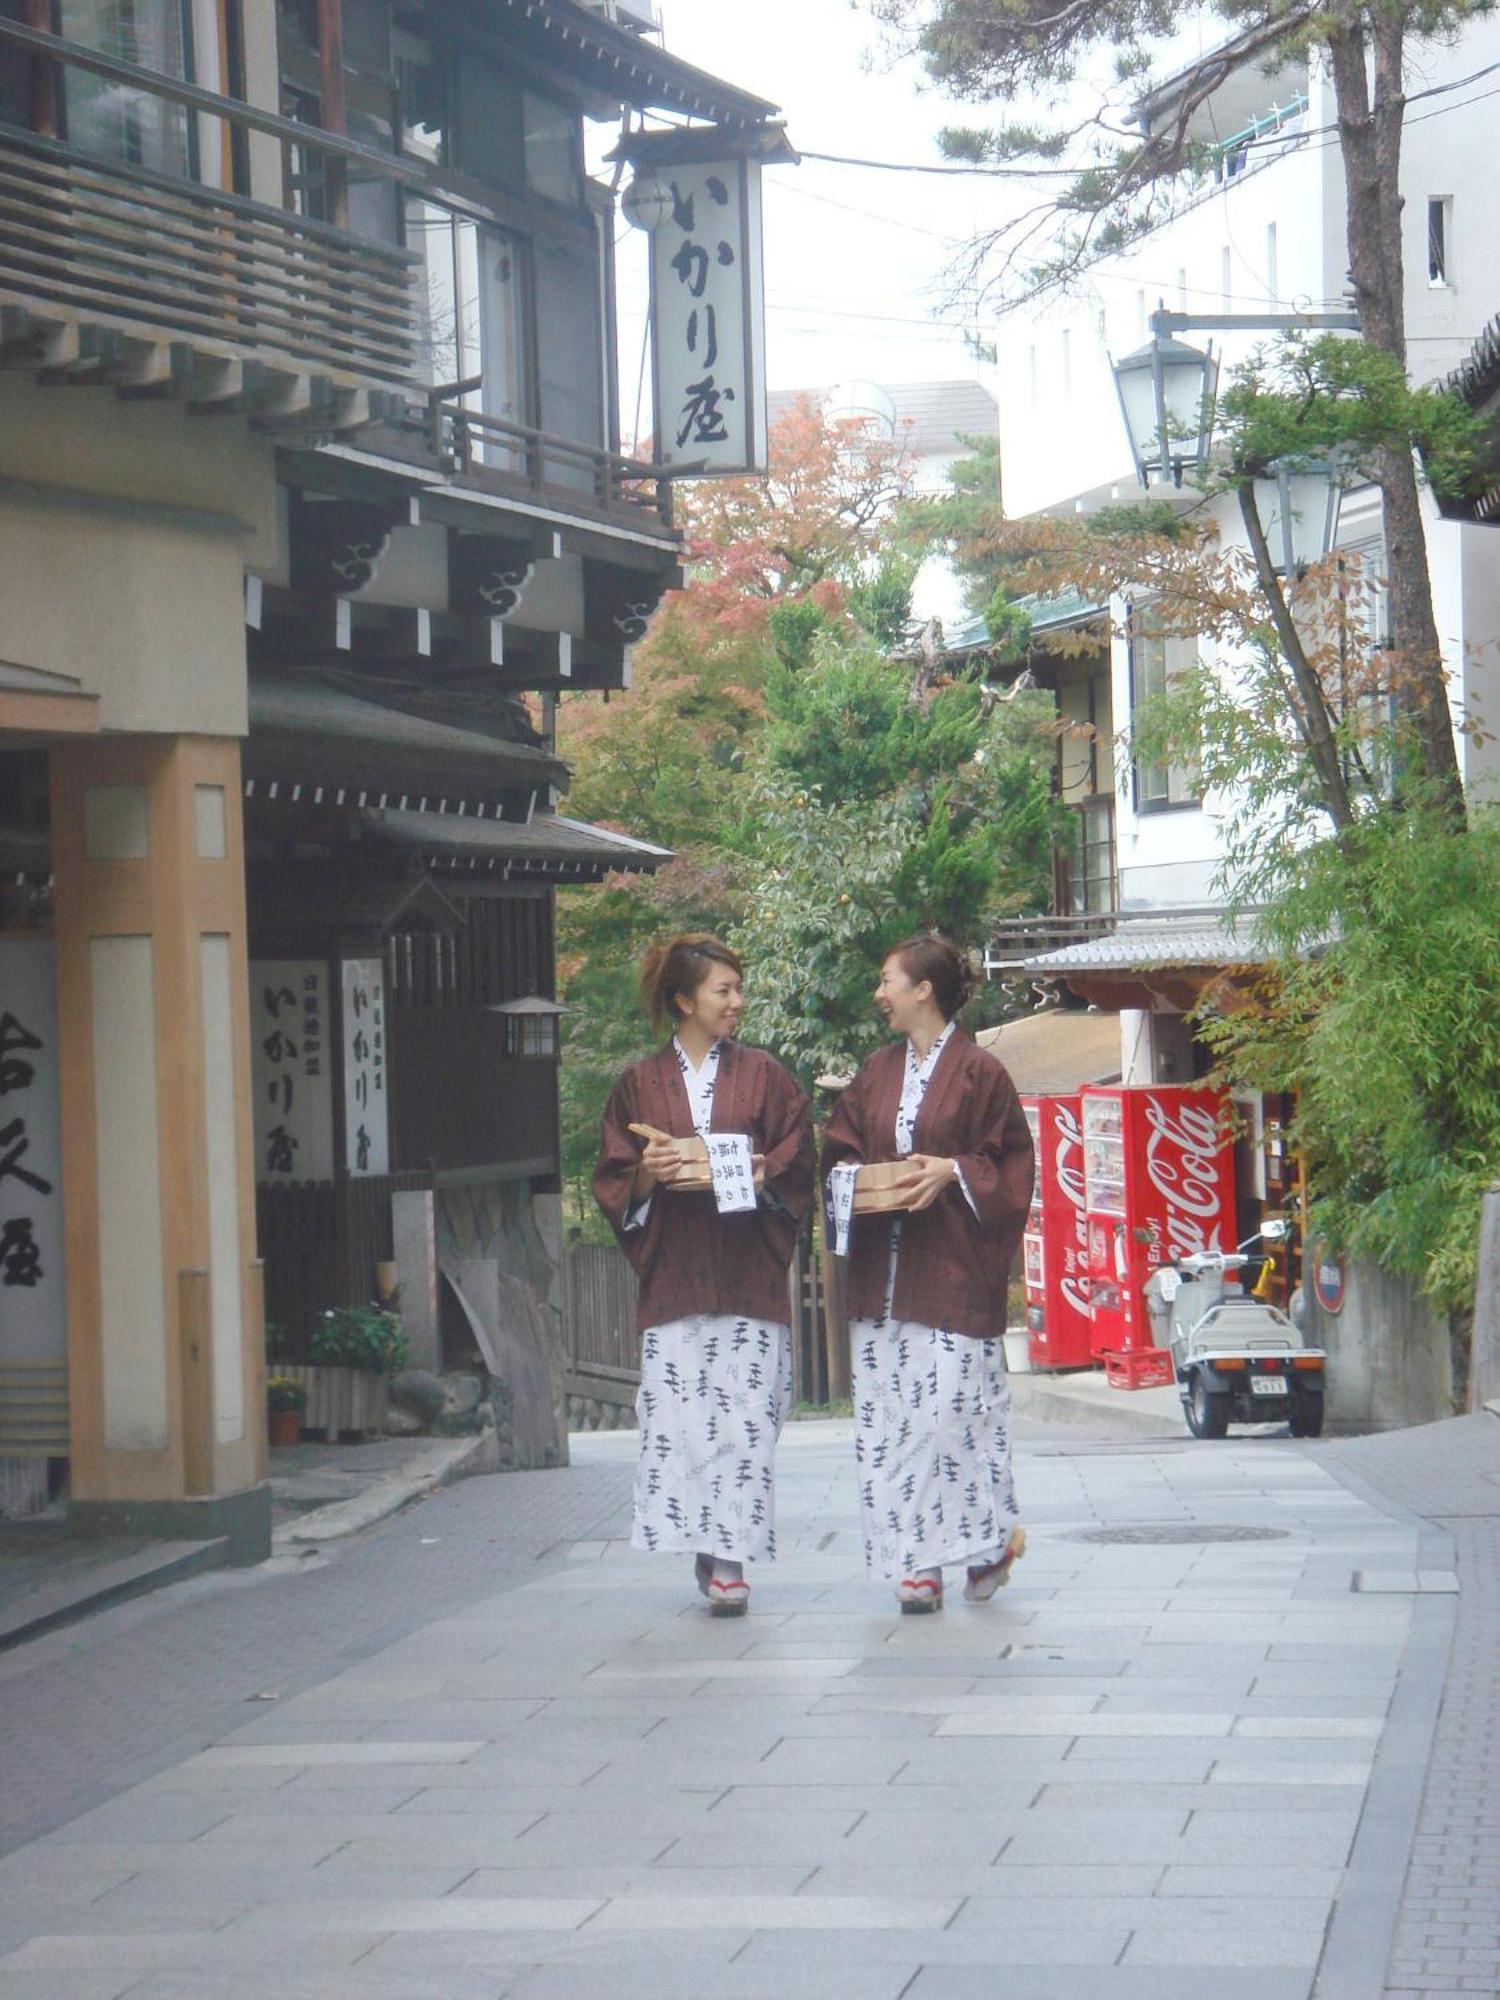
x,y
604,1347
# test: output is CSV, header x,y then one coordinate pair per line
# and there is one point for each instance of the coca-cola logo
x,y
1182,1165
1076,1292
1069,1159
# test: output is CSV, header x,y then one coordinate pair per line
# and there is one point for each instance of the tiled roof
x,y
546,842
931,417
1146,943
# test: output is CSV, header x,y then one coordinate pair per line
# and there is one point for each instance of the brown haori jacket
x,y
689,1258
954,1266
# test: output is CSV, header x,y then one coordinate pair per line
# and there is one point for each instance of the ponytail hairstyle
x,y
676,969
930,956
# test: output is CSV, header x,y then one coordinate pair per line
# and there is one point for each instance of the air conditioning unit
x,y
640,16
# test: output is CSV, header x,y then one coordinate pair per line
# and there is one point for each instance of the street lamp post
x,y
1166,388
1290,511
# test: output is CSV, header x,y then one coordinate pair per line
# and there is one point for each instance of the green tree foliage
x,y
1385,1018
878,811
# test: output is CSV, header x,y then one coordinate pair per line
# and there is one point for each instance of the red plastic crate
x,y
1143,1368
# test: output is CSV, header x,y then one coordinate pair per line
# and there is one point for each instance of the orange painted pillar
x,y
165,1342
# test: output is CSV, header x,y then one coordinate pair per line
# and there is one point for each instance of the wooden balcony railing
x,y
156,281
159,261
470,441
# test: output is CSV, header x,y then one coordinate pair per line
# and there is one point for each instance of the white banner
x,y
33,1293
708,303
732,1171
292,1069
367,1137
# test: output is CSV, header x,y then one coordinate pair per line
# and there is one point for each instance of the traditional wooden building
x,y
312,502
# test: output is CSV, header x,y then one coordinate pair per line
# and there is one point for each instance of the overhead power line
x,y
1011,172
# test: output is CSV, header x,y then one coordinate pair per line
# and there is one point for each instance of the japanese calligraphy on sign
x,y
732,1170
33,1301
292,1069
367,1144
709,313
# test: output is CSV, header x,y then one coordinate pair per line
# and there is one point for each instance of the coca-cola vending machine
x,y
1158,1165
1056,1241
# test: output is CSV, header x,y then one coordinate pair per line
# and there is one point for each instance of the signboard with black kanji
x,y
708,305
33,1295
367,1143
292,1069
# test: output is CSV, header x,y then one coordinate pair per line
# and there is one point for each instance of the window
x,y
112,121
1273,262
553,166
1091,870
1157,661
1439,240
570,351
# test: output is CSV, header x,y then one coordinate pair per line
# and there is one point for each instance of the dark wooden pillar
x,y
335,105
44,91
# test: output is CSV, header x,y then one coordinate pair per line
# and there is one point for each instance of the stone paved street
x,y
507,1756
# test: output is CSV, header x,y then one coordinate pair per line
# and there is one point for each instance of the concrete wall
x,y
1389,1360
125,531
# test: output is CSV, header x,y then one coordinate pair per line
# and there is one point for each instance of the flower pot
x,y
343,1402
284,1426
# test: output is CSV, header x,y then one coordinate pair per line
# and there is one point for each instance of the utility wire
x,y
1040,172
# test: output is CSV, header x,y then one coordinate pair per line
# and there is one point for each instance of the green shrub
x,y
365,1337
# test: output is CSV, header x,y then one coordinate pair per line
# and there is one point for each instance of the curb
x,y
1131,1413
446,1459
149,1569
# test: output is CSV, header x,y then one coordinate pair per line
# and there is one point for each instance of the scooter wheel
x,y
1305,1418
1206,1410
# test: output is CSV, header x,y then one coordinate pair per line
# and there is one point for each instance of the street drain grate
x,y
1172,1531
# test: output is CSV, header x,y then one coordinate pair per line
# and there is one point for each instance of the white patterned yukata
x,y
932,1418
713,1396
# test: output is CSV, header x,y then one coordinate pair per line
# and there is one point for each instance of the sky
x,y
854,257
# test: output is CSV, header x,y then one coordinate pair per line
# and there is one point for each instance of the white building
x,y
1267,237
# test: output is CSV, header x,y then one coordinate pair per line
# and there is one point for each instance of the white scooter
x,y
1237,1359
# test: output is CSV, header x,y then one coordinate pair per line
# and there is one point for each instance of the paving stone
x,y
1118,1982
811,1801
103,1985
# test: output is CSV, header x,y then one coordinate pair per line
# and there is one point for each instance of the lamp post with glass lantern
x,y
1290,508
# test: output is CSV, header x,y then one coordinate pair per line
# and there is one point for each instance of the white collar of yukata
x,y
925,1062
685,1061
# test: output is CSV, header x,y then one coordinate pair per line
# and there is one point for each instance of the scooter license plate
x,y
1268,1385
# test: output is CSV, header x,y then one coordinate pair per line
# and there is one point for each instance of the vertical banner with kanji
x,y
33,1296
708,313
367,1144
292,1068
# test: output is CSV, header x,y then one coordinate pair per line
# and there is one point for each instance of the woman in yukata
x,y
716,1351
926,1292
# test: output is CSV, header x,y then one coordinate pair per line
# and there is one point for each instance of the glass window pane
x,y
422,85
111,120
15,73
570,354
551,148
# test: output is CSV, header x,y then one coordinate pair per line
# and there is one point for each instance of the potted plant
x,y
353,1352
286,1399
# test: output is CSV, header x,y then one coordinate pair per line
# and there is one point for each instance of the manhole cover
x,y
1172,1531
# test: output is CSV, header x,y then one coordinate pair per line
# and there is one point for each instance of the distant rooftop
x,y
931,417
